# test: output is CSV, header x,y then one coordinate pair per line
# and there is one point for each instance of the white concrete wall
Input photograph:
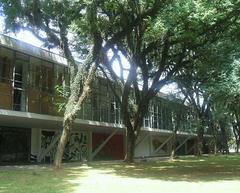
x,y
146,148
180,140
143,148
161,152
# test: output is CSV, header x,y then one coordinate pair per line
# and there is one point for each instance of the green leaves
x,y
155,29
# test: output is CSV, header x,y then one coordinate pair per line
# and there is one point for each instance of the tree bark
x,y
238,135
215,148
213,126
224,138
73,106
62,143
131,140
237,146
176,124
133,130
173,146
200,140
236,132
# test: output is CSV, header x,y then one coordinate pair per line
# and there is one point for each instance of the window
x,y
6,65
17,96
61,75
4,70
20,76
47,77
18,86
41,75
34,72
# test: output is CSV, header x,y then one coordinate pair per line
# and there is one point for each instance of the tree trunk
x,y
224,139
173,146
238,135
215,148
176,120
73,106
214,133
131,139
200,141
237,146
67,127
236,132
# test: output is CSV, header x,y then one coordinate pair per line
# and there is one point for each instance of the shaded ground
x,y
185,175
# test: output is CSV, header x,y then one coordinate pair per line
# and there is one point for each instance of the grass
x,y
184,175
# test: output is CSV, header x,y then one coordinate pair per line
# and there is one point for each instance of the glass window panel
x,y
22,56
34,72
34,100
46,104
6,67
47,76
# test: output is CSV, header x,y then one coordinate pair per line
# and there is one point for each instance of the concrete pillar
x,y
150,145
89,145
186,147
35,141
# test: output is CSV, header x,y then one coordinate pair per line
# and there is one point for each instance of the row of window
x,y
31,83
27,71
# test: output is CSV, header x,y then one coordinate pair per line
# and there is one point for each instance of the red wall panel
x,y
113,150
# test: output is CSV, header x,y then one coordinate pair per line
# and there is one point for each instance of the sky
x,y
24,36
29,38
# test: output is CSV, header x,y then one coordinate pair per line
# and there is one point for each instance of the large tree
x,y
159,46
96,26
51,22
157,37
224,91
209,85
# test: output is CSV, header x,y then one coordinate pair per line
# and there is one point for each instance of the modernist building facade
x,y
30,123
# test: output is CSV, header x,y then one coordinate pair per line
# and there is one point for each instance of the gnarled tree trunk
x,y
236,132
67,127
176,120
200,140
131,140
173,145
225,147
72,108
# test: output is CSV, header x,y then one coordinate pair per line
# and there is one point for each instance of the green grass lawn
x,y
184,175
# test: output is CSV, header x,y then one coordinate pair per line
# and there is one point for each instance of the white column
x,y
89,145
35,141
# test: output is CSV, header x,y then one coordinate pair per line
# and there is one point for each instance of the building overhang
x,y
17,119
29,49
164,132
11,118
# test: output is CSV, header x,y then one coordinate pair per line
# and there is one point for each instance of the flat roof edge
x,y
32,50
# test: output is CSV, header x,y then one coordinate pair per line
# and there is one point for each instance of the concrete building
x,y
30,124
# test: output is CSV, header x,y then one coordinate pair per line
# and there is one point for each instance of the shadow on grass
x,y
72,176
188,169
37,179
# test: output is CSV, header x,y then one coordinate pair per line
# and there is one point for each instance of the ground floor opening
x,y
15,145
38,145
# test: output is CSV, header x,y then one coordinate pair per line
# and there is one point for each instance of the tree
x,y
158,38
50,21
224,92
177,120
93,27
208,85
159,46
232,102
191,88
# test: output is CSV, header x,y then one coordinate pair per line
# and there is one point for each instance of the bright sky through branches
x,y
29,38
